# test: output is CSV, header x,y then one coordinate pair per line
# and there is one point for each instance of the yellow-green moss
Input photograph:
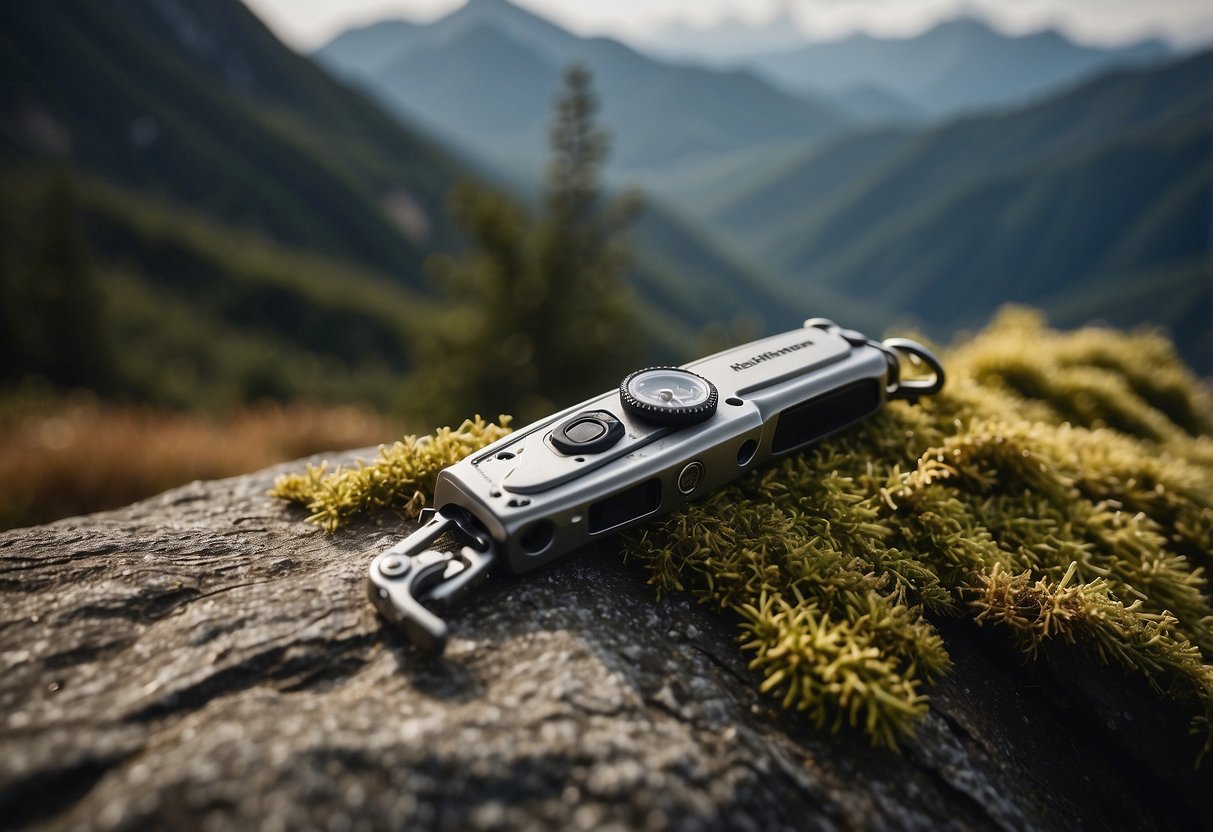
x,y
1060,487
402,478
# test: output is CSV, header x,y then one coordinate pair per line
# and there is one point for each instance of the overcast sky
x,y
306,24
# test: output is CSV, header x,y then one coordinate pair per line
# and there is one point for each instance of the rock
x,y
206,659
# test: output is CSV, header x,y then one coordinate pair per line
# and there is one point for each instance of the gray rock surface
x,y
204,659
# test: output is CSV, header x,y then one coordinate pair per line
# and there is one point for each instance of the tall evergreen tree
x,y
581,253
540,314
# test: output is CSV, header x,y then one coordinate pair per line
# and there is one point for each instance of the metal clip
x,y
412,574
917,354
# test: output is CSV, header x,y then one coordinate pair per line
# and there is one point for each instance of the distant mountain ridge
x,y
1096,190
486,71
723,44
959,65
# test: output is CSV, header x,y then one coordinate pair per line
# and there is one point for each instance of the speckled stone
x,y
206,660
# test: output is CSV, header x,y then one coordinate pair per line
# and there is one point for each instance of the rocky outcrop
x,y
205,659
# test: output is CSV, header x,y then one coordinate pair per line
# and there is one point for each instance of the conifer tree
x,y
539,314
580,255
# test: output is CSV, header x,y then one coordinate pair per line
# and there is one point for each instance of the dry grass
x,y
66,456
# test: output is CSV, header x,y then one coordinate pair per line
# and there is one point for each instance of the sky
x,y
306,24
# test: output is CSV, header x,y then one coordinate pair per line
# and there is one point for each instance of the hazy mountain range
x,y
256,218
483,78
485,75
1081,196
1089,189
957,66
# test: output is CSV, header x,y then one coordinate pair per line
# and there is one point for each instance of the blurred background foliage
x,y
209,241
537,315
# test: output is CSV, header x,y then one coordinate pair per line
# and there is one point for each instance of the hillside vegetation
x,y
200,102
185,311
1085,195
195,216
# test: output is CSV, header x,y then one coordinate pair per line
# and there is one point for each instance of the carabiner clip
x,y
917,354
412,572
914,351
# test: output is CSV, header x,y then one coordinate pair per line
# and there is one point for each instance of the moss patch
x,y
1061,487
401,479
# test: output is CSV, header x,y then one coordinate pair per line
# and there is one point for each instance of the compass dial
x,y
668,396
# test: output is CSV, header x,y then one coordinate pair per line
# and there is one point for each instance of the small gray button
x,y
587,430
690,477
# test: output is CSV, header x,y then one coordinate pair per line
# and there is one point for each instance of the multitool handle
x,y
411,578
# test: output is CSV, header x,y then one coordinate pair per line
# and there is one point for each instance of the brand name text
x,y
767,356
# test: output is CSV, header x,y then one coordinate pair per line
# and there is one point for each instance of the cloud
x,y
306,24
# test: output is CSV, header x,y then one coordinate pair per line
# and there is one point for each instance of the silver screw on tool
x,y
394,566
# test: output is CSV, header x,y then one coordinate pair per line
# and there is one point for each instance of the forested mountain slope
x,y
1088,192
199,101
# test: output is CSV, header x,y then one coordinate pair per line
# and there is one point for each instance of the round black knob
x,y
668,396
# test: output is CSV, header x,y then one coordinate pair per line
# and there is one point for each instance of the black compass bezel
x,y
676,415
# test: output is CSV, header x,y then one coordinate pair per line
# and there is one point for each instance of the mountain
x,y
862,180
486,74
503,95
486,77
870,103
257,228
723,44
1087,194
250,226
1076,223
959,65
356,50
199,101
